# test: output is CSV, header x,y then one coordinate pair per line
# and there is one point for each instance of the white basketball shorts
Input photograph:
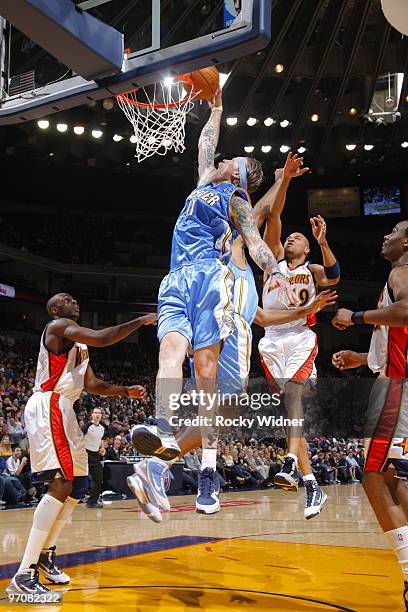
x,y
289,356
56,441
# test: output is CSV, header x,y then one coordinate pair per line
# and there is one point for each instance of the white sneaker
x,y
155,437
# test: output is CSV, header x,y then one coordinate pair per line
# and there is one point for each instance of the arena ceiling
x,y
329,74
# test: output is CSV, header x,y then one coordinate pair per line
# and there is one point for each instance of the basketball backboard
x,y
162,37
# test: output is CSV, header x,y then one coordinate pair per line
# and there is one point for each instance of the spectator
x,y
193,463
15,466
354,468
113,452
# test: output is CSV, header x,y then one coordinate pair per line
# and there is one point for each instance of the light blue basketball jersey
x,y
203,229
245,293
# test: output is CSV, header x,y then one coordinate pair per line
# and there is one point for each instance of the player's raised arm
x,y
395,315
329,273
66,328
207,144
95,385
241,215
283,176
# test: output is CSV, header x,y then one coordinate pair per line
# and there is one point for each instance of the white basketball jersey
x,y
388,352
63,373
301,279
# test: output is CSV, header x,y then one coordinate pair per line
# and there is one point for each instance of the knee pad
x,y
79,487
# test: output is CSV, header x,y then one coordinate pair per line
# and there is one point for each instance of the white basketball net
x,y
158,130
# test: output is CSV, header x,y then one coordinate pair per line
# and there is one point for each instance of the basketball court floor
x,y
257,553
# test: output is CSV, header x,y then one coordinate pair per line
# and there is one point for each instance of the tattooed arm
x,y
208,142
242,218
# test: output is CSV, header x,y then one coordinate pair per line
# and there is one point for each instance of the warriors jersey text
x,y
301,279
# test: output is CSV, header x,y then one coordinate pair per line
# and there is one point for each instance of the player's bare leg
x,y
297,455
209,484
158,439
391,516
45,520
151,478
398,489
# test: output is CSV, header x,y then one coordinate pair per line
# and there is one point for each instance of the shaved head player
x,y
57,451
387,437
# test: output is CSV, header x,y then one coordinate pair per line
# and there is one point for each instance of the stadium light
x,y
284,149
133,139
249,149
350,147
404,144
117,138
251,121
266,148
43,124
315,117
79,130
279,68
97,133
232,120
62,127
368,147
269,121
301,150
284,123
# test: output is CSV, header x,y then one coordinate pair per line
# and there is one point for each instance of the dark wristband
x,y
358,317
332,271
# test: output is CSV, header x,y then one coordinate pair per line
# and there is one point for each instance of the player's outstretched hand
x,y
346,360
281,282
325,298
216,100
342,319
293,166
136,392
150,319
318,228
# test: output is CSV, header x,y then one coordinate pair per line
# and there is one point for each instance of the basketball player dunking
x,y
387,433
288,351
195,299
57,451
235,356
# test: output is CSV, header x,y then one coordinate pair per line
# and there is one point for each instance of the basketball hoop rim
x,y
123,97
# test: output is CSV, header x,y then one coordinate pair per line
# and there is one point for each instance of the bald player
x,y
57,451
288,351
386,440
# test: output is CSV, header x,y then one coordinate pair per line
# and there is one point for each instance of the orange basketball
x,y
206,81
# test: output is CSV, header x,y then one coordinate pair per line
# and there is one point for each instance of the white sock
x,y
309,477
292,456
43,519
209,458
64,515
398,540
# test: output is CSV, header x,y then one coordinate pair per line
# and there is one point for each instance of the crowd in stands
x,y
92,239
100,240
244,460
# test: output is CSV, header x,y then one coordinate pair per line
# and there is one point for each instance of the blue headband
x,y
242,173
